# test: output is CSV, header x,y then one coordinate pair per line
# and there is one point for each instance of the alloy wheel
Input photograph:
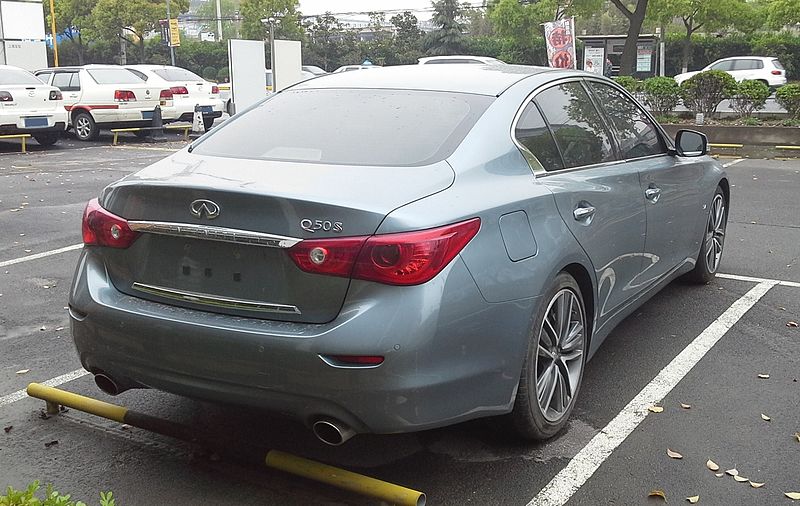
x,y
715,233
559,355
82,127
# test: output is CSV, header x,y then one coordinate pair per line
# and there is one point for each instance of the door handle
x,y
584,212
652,194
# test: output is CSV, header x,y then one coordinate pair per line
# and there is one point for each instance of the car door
x,y
598,196
69,83
668,184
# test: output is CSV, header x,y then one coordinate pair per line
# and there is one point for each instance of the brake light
x,y
101,228
408,258
776,72
6,97
178,90
124,96
56,95
166,94
215,90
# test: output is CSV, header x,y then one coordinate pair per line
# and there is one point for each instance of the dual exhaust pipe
x,y
328,430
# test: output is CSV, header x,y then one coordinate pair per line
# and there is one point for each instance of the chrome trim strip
x,y
215,300
210,233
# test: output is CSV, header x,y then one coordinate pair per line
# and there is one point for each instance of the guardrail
x,y
22,137
116,131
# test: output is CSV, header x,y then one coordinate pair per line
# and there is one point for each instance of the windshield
x,y
177,74
350,126
18,76
114,76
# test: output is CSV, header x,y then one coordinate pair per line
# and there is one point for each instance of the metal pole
x,y
662,64
53,31
219,20
171,49
272,53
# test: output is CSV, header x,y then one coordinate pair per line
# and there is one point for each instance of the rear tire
x,y
85,126
705,268
47,138
553,368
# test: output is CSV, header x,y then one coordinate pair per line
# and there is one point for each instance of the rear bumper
x,y
21,123
9,129
449,355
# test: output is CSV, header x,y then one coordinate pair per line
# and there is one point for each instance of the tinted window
x,y
350,126
532,132
16,76
114,76
177,74
44,76
62,80
723,65
748,64
579,130
75,82
141,75
636,134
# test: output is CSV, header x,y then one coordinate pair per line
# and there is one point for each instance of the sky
x,y
311,7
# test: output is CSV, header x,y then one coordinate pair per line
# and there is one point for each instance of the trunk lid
x,y
283,199
30,98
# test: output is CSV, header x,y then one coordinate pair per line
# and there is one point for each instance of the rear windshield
x,y
177,74
350,126
15,76
777,64
114,76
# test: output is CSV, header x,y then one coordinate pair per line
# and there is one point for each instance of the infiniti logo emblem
x,y
202,208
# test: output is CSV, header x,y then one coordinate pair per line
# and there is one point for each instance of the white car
x,y
457,58
348,68
27,106
188,90
108,96
765,69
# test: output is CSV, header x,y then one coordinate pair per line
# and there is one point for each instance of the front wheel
x,y
553,369
713,241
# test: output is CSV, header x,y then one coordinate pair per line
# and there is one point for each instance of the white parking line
x,y
734,162
6,263
58,380
572,477
751,279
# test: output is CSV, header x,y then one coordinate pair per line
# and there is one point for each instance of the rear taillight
x,y
56,95
408,258
215,90
353,360
101,228
124,96
167,94
776,72
178,90
6,97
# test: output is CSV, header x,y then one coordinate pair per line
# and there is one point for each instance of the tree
x,y
73,21
407,39
635,21
448,37
522,22
132,19
207,11
783,12
285,11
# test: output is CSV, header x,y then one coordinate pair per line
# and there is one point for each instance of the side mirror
x,y
690,143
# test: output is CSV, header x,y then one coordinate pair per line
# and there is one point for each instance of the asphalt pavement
x,y
702,346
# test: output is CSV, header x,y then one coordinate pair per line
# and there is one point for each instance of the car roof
x,y
477,79
82,67
457,57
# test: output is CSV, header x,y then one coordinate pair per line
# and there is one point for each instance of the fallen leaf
x,y
763,376
658,493
23,371
693,499
59,329
655,409
673,455
765,417
797,436
8,429
781,308
712,465
719,475
51,443
686,406
756,485
791,324
740,479
792,495
732,472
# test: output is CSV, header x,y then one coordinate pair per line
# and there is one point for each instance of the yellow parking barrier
x,y
796,148
116,131
730,146
323,473
22,137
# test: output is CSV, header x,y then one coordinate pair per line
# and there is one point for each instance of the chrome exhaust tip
x,y
332,432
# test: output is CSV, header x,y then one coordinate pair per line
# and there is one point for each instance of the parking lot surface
x,y
701,346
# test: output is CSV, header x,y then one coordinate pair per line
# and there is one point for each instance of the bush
x,y
661,94
750,96
209,73
788,97
222,74
704,91
629,83
52,497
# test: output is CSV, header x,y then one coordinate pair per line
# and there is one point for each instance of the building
x,y
22,34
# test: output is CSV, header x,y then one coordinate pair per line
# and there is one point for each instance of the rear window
x,y
350,126
177,74
114,76
14,76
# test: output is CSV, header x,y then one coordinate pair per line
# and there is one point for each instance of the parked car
x,y
30,107
349,68
317,71
188,91
480,60
765,69
107,96
412,248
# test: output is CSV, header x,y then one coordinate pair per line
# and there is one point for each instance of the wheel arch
x,y
584,280
75,110
726,189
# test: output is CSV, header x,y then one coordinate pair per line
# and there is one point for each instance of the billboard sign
x,y
560,39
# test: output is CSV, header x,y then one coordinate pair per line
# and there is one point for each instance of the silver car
x,y
411,248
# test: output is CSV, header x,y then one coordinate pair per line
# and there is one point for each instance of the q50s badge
x,y
324,225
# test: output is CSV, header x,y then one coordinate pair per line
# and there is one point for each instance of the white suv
x,y
107,96
188,90
29,107
765,69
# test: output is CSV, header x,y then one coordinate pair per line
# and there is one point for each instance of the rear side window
x,y
67,81
748,64
44,76
777,64
16,76
114,76
176,74
533,133
636,134
350,126
579,130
